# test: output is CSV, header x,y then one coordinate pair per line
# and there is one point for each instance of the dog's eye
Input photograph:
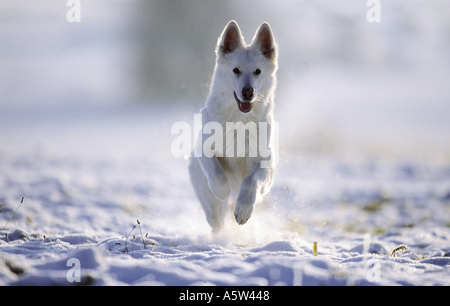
x,y
236,70
257,71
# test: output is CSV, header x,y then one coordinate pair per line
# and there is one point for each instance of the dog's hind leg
x,y
215,209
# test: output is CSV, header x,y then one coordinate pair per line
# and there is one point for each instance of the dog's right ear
x,y
230,39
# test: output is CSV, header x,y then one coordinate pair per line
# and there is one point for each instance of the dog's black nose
x,y
247,93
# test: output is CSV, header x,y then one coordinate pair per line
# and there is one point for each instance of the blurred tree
x,y
175,43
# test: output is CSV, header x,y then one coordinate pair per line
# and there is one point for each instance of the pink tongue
x,y
246,106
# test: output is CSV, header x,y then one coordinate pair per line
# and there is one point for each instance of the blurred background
x,y
346,86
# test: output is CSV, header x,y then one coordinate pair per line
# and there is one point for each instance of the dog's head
x,y
249,70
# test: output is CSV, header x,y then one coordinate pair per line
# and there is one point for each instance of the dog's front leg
x,y
258,180
217,179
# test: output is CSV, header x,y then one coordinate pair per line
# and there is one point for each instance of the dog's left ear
x,y
265,42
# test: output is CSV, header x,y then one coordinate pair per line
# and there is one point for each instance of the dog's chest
x,y
236,161
236,169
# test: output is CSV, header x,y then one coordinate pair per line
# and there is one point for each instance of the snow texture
x,y
83,198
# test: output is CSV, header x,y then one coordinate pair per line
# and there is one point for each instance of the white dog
x,y
242,90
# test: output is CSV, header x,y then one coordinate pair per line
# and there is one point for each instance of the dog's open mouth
x,y
243,106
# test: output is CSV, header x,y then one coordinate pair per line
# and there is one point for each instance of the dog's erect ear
x,y
230,39
264,41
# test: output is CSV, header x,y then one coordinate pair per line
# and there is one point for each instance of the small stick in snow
x,y
400,248
139,223
315,248
126,241
13,215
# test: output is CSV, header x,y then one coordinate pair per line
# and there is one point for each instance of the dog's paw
x,y
242,212
219,187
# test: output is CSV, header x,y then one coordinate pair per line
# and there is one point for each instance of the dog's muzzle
x,y
244,106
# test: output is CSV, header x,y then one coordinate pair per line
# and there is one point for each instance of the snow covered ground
x,y
364,155
84,194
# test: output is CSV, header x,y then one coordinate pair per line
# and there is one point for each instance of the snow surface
x,y
84,195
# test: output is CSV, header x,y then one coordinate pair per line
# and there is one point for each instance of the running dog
x,y
242,91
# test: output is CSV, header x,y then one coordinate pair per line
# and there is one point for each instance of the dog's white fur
x,y
238,180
